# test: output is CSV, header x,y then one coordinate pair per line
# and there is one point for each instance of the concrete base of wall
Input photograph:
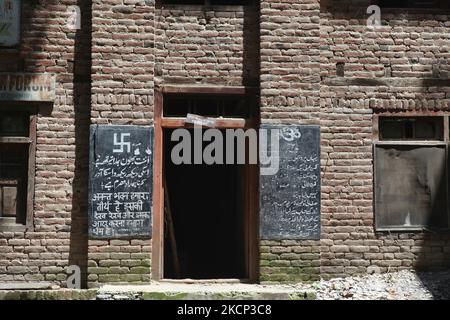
x,y
172,291
166,292
63,294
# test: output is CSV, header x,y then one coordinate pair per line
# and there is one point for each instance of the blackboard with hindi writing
x,y
120,182
290,198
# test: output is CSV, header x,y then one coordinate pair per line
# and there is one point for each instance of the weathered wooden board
x,y
410,188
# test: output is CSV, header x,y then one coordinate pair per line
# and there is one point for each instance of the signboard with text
x,y
27,87
290,199
120,182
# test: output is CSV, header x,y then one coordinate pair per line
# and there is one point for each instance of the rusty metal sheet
x,y
410,187
27,87
9,23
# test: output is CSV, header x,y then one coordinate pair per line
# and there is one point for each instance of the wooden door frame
x,y
252,176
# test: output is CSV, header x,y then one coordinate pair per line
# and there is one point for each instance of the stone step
x,y
60,294
161,291
173,291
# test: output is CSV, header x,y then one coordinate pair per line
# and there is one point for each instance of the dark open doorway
x,y
213,225
207,208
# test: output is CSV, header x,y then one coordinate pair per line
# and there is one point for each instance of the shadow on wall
x,y
427,251
433,257
252,46
212,48
78,254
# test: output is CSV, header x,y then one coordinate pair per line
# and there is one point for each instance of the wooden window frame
x,y
252,177
445,142
31,141
413,141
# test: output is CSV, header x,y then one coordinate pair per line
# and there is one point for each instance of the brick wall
x,y
122,93
290,64
59,236
290,61
207,45
288,48
394,65
122,61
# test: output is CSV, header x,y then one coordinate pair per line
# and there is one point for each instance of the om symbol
x,y
290,133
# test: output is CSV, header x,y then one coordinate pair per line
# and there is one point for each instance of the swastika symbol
x,y
122,143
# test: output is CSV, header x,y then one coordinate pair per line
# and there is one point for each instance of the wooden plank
x,y
18,140
251,221
8,181
173,240
253,258
9,201
158,195
221,123
10,225
375,128
253,96
446,129
31,174
247,214
447,200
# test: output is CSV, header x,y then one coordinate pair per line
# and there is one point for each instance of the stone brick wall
x,y
122,61
286,48
401,66
290,61
58,238
119,261
207,45
289,260
408,44
122,93
290,79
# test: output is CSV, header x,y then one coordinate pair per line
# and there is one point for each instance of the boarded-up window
x,y
411,186
8,198
411,128
15,147
14,124
411,174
